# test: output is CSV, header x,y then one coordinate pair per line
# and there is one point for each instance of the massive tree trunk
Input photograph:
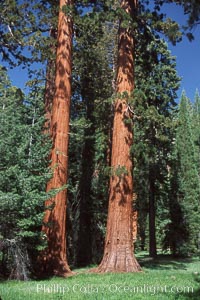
x,y
118,251
54,259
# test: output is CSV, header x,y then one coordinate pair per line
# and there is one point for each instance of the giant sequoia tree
x,y
118,251
54,259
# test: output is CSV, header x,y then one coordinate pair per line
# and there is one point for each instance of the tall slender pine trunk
x,y
84,242
118,252
54,260
152,199
152,215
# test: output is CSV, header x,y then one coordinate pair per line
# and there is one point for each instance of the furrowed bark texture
x,y
54,259
118,251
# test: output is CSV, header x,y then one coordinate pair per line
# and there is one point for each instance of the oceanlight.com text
x,y
112,288
149,289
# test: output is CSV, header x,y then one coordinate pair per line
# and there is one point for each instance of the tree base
x,y
62,270
51,267
118,263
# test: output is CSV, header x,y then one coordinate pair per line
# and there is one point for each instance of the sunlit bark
x,y
54,259
118,251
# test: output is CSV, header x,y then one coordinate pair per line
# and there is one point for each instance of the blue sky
x,y
187,54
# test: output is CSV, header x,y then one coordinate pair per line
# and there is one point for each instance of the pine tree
x,y
183,230
23,176
153,131
196,129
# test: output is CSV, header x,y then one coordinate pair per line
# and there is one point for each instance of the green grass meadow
x,y
163,279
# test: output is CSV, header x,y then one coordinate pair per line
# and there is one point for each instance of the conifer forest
x,y
99,157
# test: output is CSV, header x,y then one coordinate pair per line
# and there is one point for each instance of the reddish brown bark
x,y
54,259
118,251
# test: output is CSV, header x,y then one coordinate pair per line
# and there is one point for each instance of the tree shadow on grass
x,y
164,262
168,262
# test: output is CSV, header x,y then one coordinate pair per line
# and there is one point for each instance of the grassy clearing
x,y
162,279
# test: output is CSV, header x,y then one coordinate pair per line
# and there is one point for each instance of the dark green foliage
x,y
196,129
154,103
92,86
24,28
183,230
191,9
23,174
